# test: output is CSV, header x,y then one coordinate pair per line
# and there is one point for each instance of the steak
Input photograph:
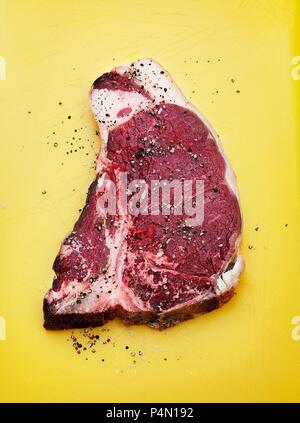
x,y
148,268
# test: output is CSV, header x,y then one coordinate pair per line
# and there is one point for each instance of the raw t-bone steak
x,y
148,268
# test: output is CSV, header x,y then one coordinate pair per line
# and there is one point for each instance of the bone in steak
x,y
149,269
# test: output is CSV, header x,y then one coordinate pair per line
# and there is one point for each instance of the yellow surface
x,y
53,52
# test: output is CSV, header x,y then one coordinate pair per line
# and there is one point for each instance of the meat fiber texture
x,y
151,269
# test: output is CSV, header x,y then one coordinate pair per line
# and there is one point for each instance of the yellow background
x,y
54,50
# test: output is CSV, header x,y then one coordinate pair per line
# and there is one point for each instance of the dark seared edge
x,y
54,321
114,81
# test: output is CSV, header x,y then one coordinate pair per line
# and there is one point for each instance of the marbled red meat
x,y
151,269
